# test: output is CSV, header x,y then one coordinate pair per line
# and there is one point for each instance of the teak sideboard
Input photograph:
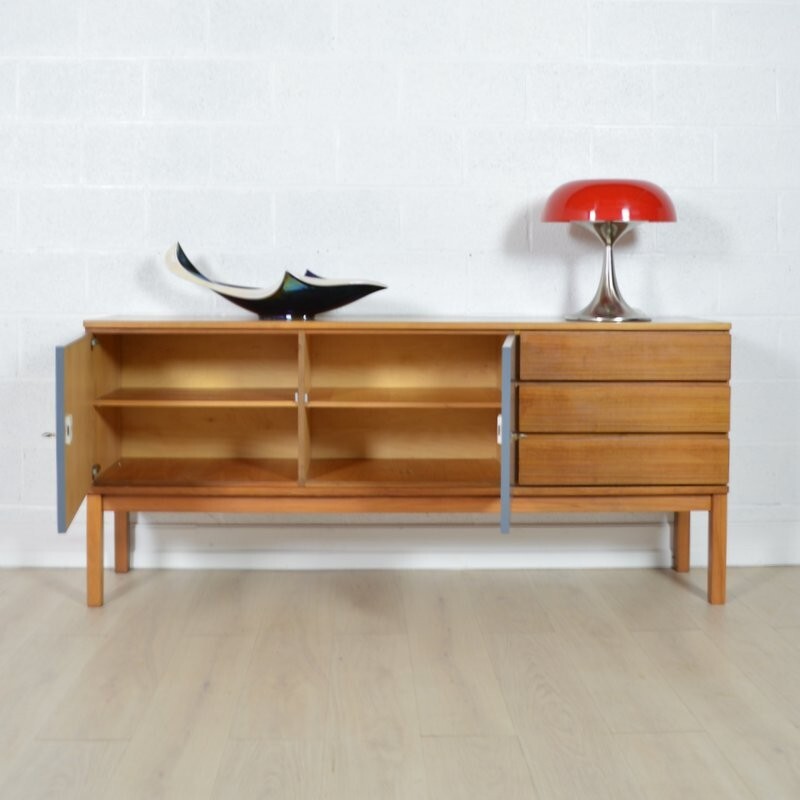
x,y
394,416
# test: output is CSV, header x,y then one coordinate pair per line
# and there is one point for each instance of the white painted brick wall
x,y
414,29
320,93
141,28
632,151
269,155
76,90
220,90
648,32
419,156
8,216
710,94
521,30
463,93
523,156
40,28
8,89
590,94
270,29
409,141
788,93
755,33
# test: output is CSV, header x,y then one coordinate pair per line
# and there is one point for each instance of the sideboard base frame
x,y
679,505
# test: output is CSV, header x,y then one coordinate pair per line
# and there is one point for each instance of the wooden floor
x,y
350,685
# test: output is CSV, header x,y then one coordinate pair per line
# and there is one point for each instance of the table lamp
x,y
609,208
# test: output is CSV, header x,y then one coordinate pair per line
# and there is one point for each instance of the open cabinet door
x,y
75,429
508,424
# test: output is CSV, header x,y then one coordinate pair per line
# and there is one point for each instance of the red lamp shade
x,y
609,201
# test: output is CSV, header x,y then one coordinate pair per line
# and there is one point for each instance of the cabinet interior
x,y
315,409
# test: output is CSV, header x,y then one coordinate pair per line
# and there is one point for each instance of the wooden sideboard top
x,y
166,325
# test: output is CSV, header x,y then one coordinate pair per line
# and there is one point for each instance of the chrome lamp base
x,y
608,305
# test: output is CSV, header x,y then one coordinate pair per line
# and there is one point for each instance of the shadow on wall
x,y
160,292
701,228
516,238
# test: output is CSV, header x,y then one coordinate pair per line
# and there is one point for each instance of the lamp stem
x,y
608,305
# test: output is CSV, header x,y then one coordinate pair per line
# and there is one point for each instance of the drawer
x,y
595,407
619,355
623,460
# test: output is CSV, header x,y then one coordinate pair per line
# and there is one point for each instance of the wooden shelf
x,y
226,475
403,397
197,398
405,472
318,398
199,473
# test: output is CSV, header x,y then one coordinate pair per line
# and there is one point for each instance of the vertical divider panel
x,y
303,429
108,376
507,427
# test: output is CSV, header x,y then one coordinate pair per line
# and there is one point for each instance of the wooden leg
x,y
680,541
122,558
717,548
94,550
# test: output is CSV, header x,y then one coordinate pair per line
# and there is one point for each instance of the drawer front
x,y
625,355
586,407
626,460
